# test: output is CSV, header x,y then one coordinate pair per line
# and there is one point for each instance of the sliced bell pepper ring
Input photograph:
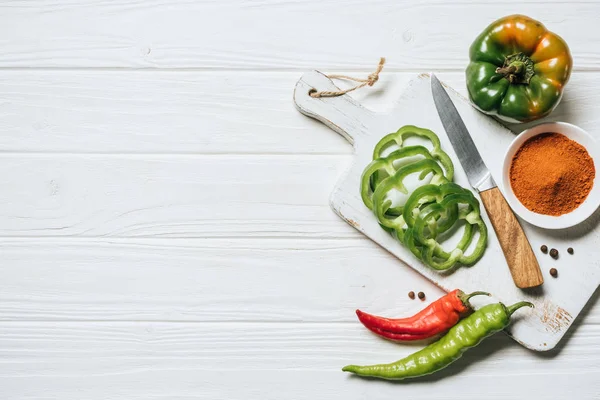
x,y
449,216
398,138
383,167
396,182
398,158
435,256
426,194
432,252
430,210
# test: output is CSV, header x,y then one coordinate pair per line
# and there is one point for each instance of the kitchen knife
x,y
523,265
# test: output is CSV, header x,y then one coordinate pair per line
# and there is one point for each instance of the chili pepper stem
x,y
511,309
465,297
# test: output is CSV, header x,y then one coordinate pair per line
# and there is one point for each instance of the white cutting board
x,y
557,302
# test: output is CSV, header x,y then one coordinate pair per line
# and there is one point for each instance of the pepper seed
x,y
421,295
544,249
570,250
554,253
553,272
411,294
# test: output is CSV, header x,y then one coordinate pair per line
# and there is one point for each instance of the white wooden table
x,y
165,229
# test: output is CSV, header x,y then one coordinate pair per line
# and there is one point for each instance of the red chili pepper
x,y
436,318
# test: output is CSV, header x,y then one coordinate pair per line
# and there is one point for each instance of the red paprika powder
x,y
552,174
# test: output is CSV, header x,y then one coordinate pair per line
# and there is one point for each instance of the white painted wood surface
x,y
165,232
556,303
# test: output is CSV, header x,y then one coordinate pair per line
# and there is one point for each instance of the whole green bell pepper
x,y
518,69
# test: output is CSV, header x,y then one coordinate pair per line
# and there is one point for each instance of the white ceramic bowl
x,y
576,216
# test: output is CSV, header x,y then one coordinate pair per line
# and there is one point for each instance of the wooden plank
x,y
176,383
141,360
203,280
275,280
167,112
169,196
270,34
200,113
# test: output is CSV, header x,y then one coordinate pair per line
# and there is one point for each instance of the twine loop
x,y
370,81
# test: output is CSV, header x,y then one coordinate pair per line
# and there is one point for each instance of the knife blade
x,y
477,172
521,260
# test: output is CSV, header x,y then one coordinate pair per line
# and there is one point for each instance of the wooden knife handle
x,y
523,265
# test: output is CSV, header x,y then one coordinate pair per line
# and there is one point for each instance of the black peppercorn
x,y
544,249
411,294
421,295
554,253
570,250
553,272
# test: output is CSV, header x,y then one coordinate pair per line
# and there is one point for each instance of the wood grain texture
x,y
345,115
141,360
183,112
521,260
272,34
208,280
163,206
169,196
168,112
204,280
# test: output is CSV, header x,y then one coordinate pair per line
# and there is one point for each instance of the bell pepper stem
x,y
517,68
511,309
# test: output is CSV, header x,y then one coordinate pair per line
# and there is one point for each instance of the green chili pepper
x,y
466,334
397,139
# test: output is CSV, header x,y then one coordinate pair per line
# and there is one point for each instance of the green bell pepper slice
x,y
431,209
381,204
397,138
383,167
425,245
426,194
